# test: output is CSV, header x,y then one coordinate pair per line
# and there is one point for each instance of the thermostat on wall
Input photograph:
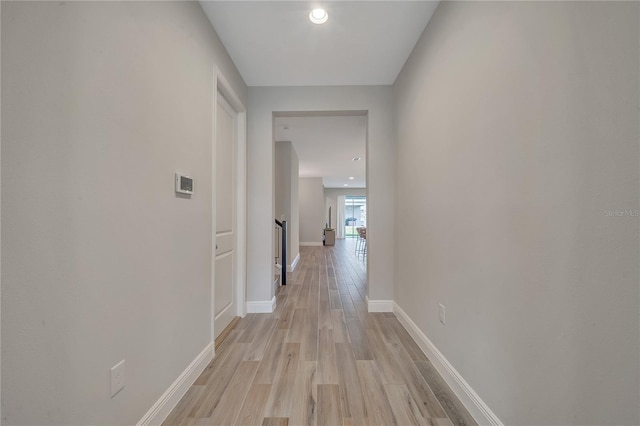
x,y
184,184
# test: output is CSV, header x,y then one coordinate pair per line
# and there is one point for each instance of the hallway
x,y
320,359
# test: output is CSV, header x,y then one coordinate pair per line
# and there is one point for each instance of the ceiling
x,y
326,147
273,43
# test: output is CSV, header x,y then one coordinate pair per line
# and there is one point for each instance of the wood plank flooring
x,y
320,359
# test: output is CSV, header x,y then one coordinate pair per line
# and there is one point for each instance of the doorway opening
x,y
328,150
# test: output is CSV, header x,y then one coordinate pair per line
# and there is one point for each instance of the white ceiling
x,y
326,146
273,43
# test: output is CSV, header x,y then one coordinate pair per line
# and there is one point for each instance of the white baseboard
x,y
311,244
262,307
170,398
469,398
379,305
293,265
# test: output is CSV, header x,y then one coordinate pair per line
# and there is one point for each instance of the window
x,y
355,213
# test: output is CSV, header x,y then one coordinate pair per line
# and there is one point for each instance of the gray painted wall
x,y
286,194
312,214
101,103
517,130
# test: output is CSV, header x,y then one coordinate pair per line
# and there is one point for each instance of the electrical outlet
x,y
117,378
443,318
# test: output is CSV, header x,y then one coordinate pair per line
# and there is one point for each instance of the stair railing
x,y
281,253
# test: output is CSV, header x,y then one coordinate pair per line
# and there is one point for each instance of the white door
x,y
225,300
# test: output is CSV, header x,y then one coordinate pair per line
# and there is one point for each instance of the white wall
x,y
293,231
282,180
517,129
312,214
377,100
102,103
331,200
286,194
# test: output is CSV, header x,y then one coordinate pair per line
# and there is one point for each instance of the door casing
x,y
222,87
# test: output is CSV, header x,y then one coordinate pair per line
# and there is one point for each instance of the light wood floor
x,y
320,359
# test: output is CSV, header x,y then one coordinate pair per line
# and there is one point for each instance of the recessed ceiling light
x,y
351,178
318,16
356,159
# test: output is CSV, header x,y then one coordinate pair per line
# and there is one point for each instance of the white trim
x,y
292,267
0,256
227,91
160,410
313,244
262,307
379,305
469,398
214,118
241,213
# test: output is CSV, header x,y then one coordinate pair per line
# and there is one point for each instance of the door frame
x,y
222,88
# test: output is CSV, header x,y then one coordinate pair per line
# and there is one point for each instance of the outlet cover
x,y
117,378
